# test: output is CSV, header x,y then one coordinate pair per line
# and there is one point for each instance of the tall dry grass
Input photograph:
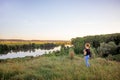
x,y
59,68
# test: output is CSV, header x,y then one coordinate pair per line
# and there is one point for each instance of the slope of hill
x,y
58,68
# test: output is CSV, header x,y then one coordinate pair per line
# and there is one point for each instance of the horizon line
x,y
54,39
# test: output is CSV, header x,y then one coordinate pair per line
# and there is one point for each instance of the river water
x,y
35,53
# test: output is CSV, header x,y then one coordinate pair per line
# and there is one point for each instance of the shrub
x,y
71,53
107,48
93,52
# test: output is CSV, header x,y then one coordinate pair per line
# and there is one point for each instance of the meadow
x,y
22,42
58,68
66,64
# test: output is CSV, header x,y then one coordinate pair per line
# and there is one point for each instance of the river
x,y
20,54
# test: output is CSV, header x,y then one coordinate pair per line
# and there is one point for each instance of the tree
x,y
78,44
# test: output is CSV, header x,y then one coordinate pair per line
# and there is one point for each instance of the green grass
x,y
58,68
28,42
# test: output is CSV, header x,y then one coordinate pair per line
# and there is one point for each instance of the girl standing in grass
x,y
87,54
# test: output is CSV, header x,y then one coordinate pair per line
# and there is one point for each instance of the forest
x,y
107,46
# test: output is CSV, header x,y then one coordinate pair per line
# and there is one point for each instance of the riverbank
x,y
58,68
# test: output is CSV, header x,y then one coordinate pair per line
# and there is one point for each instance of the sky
x,y
58,19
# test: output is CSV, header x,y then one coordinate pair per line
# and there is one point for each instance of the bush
x,y
71,53
93,52
107,48
114,57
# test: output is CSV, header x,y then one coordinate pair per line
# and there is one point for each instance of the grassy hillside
x,y
58,68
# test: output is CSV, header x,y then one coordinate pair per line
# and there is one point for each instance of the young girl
x,y
87,54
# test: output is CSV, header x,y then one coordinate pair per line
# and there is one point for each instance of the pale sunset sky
x,y
58,19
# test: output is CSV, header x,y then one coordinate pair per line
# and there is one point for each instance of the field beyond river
x,y
58,68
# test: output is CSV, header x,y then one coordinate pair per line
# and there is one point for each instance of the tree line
x,y
106,46
4,48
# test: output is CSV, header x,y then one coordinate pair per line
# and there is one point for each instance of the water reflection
x,y
31,52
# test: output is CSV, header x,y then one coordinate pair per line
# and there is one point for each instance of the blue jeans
x,y
87,60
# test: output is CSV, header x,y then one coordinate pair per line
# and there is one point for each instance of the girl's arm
x,y
84,51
